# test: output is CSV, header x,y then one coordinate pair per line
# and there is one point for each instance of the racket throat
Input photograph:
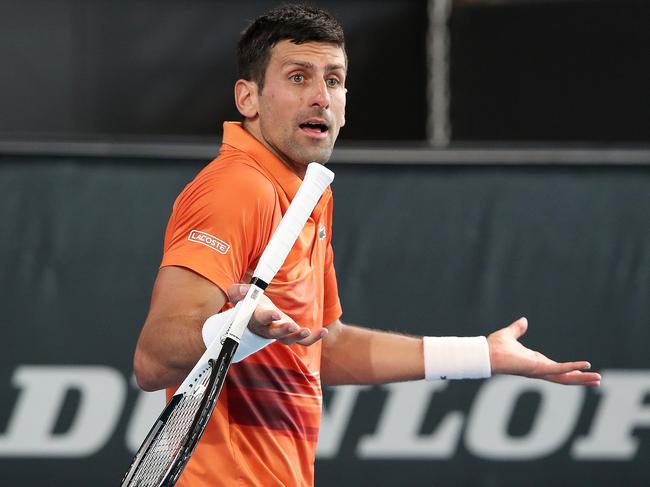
x,y
244,311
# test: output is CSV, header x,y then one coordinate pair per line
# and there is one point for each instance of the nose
x,y
321,95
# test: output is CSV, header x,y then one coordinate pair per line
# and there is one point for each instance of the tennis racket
x,y
172,439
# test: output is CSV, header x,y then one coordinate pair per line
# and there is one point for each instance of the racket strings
x,y
171,438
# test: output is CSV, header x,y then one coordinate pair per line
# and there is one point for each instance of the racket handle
x,y
317,178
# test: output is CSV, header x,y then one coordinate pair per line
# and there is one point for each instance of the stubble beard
x,y
293,151
298,155
306,155
313,150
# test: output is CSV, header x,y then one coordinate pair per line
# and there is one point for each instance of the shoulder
x,y
232,181
239,172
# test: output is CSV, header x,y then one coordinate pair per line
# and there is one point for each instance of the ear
x,y
345,98
246,98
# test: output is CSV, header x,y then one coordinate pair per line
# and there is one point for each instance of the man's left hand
x,y
508,356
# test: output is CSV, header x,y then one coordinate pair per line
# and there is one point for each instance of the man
x,y
264,429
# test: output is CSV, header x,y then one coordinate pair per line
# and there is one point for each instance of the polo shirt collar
x,y
235,135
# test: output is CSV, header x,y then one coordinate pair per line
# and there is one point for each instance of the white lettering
x,y
148,407
620,411
487,429
209,241
43,390
397,432
335,419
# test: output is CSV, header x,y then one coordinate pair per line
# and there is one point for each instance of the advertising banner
x,y
424,250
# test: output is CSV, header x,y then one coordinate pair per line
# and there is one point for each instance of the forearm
x,y
355,355
170,342
167,350
172,338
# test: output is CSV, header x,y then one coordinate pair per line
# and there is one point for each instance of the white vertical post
x,y
438,123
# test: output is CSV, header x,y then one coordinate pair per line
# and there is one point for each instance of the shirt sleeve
x,y
221,223
331,306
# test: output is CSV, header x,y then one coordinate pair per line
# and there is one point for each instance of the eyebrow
x,y
308,65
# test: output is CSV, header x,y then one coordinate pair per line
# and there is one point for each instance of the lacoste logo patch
x,y
209,241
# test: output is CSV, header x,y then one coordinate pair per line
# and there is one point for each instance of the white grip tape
x,y
243,312
456,358
317,178
216,325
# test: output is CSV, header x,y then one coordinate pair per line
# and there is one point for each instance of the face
x,y
302,104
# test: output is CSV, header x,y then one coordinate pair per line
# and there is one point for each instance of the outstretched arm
x,y
355,355
509,356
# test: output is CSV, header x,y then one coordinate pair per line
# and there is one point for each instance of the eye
x,y
297,78
332,82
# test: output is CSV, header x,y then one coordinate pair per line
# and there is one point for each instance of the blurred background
x,y
495,164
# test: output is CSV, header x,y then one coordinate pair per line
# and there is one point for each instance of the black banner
x,y
156,68
435,250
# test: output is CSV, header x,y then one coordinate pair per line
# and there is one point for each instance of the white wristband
x,y
250,343
456,358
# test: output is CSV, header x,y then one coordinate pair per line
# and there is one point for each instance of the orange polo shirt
x,y
264,429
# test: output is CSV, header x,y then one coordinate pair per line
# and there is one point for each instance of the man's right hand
x,y
270,322
171,342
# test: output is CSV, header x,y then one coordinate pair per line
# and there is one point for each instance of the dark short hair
x,y
297,23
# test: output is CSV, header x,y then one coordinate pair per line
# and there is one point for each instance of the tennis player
x,y
291,95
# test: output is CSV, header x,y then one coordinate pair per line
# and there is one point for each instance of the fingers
x,y
270,323
304,337
571,373
236,292
555,368
266,316
282,331
575,378
313,337
518,328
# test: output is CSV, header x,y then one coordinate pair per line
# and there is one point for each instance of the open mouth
x,y
314,127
